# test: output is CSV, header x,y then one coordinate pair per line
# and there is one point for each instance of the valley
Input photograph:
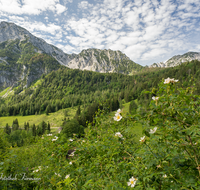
x,y
118,118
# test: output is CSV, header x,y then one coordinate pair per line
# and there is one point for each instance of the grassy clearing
x,y
6,91
34,85
55,119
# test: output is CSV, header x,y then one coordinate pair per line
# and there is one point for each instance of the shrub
x,y
71,127
169,150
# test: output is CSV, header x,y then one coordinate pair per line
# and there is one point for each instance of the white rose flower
x,y
132,182
117,117
155,98
152,131
142,139
67,176
118,134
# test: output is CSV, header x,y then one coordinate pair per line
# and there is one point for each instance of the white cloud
x,y
153,53
10,6
141,29
135,51
131,19
29,7
67,1
149,31
68,48
37,28
60,8
128,40
153,32
84,5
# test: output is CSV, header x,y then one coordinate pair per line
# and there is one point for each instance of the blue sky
x,y
147,31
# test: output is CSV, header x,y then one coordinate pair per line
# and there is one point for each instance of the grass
x,y
100,146
38,82
7,90
55,119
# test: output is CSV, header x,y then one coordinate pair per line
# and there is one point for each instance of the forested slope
x,y
66,87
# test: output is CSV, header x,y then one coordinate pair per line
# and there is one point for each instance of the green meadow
x,y
55,119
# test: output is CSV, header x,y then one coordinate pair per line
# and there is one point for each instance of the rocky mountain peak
x,y
20,49
177,60
10,31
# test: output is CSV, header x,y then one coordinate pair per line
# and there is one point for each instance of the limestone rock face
x,y
10,31
23,57
102,61
178,59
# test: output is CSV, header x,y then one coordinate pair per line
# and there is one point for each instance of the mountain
x,y
103,61
24,58
177,60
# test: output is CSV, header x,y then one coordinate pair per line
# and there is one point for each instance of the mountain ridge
x,y
18,49
25,57
177,60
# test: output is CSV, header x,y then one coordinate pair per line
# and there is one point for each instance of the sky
x,y
147,31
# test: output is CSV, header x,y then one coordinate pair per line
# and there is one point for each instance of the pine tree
x,y
126,96
78,112
25,126
43,126
47,111
48,127
23,112
14,112
7,129
39,130
34,130
56,108
15,125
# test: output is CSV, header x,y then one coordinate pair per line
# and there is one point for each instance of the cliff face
x,y
24,58
178,59
103,61
21,63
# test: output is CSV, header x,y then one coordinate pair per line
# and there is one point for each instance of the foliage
x,y
160,161
19,137
166,156
132,107
55,119
3,148
68,88
71,127
172,145
7,129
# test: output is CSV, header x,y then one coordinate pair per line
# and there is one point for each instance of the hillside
x,y
72,87
112,153
24,58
